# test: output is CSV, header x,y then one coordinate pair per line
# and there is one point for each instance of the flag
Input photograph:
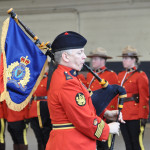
x,y
23,65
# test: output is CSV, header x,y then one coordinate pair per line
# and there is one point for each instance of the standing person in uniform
x,y
17,127
136,106
2,113
39,114
2,127
17,123
98,60
75,123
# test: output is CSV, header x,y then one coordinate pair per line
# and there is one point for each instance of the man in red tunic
x,y
2,112
39,113
98,60
75,123
2,127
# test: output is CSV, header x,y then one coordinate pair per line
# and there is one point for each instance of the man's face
x,y
128,62
76,59
98,62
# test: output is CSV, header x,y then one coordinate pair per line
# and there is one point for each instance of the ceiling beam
x,y
82,7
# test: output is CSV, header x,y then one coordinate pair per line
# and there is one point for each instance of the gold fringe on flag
x,y
5,94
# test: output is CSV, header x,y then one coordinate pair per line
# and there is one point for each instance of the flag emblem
x,y
18,73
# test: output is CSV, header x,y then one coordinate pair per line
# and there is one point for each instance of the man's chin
x,y
80,68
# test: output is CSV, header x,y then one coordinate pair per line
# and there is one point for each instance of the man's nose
x,y
84,56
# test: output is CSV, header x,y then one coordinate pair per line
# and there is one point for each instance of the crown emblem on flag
x,y
24,60
18,73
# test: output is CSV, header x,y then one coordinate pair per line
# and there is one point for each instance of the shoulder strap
x,y
129,76
94,77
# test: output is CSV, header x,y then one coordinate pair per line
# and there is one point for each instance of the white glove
x,y
114,127
112,115
120,119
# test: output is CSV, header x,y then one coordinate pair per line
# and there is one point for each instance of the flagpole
x,y
14,16
37,41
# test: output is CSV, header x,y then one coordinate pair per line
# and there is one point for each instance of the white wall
x,y
48,26
112,30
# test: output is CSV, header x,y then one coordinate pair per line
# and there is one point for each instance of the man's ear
x,y
65,57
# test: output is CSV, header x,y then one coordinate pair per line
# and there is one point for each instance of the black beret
x,y
68,40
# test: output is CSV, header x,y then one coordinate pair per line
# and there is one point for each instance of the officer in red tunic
x,y
98,60
39,114
75,123
136,106
2,127
17,125
2,114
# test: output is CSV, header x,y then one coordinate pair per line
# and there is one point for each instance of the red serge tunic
x,y
2,107
75,123
109,76
41,91
137,83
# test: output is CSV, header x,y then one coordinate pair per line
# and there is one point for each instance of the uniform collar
x,y
100,69
74,72
131,69
68,69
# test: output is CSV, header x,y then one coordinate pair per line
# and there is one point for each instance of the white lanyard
x,y
124,78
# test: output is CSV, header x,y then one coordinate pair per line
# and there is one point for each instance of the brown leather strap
x,y
135,97
98,73
38,97
129,77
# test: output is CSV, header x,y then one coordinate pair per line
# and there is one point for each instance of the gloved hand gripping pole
x,y
120,106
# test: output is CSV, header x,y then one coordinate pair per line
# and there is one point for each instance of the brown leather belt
x,y
135,97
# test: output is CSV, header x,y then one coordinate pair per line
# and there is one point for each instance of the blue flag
x,y
23,63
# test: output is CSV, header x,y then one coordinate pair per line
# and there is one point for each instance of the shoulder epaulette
x,y
68,77
139,70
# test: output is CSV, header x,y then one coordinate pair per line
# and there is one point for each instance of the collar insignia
x,y
74,72
131,69
68,77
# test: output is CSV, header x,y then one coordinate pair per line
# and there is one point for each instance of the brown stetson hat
x,y
99,52
129,51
